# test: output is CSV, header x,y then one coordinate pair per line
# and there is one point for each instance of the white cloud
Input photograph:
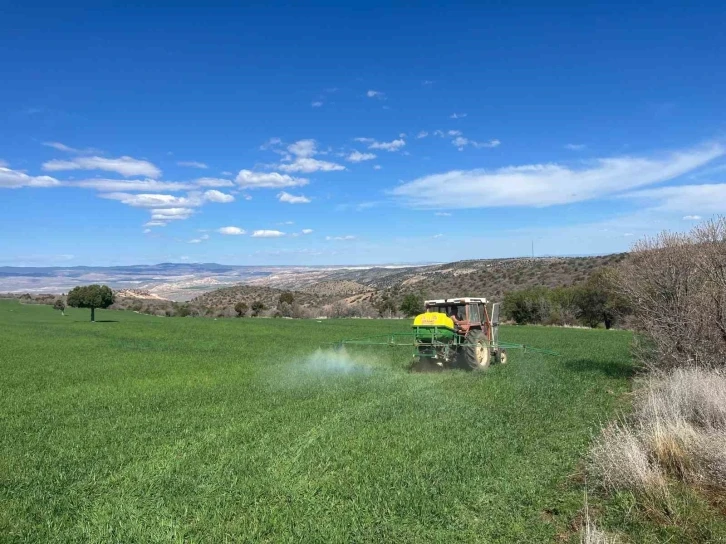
x,y
422,134
126,166
394,145
692,218
218,196
364,140
192,164
457,115
131,185
214,182
438,236
308,165
427,82
267,234
357,156
575,147
154,224
340,238
316,104
377,167
147,231
171,214
14,179
376,94
268,180
707,198
540,185
628,234
292,199
307,231
150,200
225,173
443,214
303,148
454,133
231,231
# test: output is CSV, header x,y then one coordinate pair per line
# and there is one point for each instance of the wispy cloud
x,y
422,134
192,164
214,182
267,234
122,185
692,217
292,199
68,149
125,166
231,231
377,167
340,238
457,115
14,179
540,185
575,147
307,231
443,214
316,104
706,198
376,94
357,156
308,166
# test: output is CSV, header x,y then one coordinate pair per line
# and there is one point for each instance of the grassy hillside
x,y
150,429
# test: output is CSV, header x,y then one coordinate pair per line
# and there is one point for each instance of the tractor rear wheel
x,y
474,354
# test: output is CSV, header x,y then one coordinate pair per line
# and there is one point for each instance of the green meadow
x,y
147,429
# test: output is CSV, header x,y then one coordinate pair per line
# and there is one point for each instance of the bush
x,y
241,309
412,305
676,287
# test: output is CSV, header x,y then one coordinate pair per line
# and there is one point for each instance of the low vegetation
x,y
592,303
146,429
665,463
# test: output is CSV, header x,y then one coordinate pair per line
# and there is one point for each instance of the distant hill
x,y
213,290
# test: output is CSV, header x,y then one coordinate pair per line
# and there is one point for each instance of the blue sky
x,y
370,133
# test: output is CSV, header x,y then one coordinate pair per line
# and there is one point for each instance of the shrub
x,y
241,309
676,286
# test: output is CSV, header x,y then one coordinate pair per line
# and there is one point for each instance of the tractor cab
x,y
466,313
458,332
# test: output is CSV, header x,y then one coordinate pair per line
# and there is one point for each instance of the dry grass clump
x,y
678,429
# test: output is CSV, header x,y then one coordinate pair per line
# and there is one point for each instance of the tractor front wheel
x,y
502,357
474,354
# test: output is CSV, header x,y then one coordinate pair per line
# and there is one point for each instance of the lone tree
x,y
241,309
90,296
60,306
412,305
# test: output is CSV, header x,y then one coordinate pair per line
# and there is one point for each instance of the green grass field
x,y
149,429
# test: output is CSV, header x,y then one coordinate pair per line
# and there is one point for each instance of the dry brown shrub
x,y
676,286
